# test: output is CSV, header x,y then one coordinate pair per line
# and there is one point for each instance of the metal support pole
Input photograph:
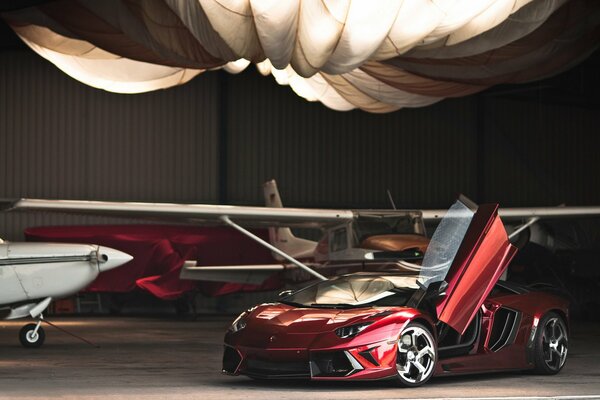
x,y
521,228
272,248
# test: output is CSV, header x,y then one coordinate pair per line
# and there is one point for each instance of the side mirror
x,y
285,293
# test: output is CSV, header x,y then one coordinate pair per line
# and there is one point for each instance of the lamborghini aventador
x,y
450,314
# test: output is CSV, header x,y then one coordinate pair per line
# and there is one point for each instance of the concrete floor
x,y
156,358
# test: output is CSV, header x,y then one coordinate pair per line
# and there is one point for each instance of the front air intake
x,y
231,360
269,369
333,363
505,328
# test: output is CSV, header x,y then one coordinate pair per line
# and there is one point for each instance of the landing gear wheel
x,y
30,338
551,344
416,355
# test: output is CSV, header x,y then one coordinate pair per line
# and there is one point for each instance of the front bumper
x,y
374,361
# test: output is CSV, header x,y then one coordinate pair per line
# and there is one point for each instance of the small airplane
x,y
352,240
33,274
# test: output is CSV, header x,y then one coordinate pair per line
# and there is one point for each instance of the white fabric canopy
x,y
378,56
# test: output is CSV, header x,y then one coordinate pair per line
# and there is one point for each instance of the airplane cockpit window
x,y
339,240
365,227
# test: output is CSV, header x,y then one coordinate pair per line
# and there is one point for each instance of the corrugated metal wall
x,y
61,139
328,158
541,154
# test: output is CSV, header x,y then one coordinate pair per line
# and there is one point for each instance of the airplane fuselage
x,y
34,271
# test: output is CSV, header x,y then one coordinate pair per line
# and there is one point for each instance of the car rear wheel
x,y
416,355
551,344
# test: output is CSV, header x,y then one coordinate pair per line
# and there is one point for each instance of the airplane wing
x,y
193,213
249,216
524,213
252,216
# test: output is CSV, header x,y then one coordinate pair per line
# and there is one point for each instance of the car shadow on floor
x,y
300,384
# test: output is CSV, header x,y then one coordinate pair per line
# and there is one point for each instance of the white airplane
x,y
352,240
33,274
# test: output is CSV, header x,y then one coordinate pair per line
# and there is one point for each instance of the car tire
x,y
27,337
550,344
416,355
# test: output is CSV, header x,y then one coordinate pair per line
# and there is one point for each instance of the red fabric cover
x,y
159,252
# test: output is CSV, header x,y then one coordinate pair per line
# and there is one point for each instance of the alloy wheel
x,y
554,344
415,360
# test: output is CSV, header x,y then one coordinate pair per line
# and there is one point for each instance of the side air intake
x,y
505,328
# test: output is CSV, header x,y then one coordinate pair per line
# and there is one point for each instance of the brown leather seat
x,y
396,242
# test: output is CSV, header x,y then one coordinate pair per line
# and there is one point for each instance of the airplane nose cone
x,y
110,258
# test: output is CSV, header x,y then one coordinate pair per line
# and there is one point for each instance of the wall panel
x,y
541,154
61,139
322,157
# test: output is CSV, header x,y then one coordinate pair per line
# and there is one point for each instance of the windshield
x,y
444,243
356,290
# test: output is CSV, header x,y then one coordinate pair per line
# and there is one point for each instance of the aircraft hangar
x,y
167,166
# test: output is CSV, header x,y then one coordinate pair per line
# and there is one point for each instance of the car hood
x,y
284,318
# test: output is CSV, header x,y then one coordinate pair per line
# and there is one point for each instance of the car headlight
x,y
239,323
352,330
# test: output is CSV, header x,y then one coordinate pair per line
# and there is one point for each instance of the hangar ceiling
x,y
378,58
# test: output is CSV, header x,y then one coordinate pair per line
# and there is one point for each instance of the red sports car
x,y
451,316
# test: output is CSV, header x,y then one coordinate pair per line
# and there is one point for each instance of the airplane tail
x,y
283,238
